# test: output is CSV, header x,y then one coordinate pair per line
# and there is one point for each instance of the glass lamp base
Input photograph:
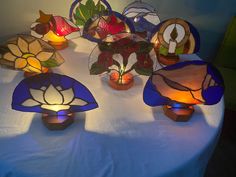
x,y
56,122
168,59
126,83
178,114
59,45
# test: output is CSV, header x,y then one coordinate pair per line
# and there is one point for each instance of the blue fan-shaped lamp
x,y
57,97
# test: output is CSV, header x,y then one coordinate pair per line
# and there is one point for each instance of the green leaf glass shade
x,y
182,85
29,54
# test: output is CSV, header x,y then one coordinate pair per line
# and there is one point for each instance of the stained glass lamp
x,y
121,56
29,54
56,96
143,16
180,86
173,37
81,11
56,30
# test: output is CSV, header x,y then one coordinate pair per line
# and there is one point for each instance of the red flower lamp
x,y
120,55
173,37
29,54
180,86
56,30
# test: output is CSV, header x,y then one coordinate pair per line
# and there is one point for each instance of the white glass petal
x,y
30,103
79,102
132,60
68,95
154,19
37,95
53,96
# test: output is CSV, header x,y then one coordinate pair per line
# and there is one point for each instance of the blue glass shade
x,y
195,41
190,82
143,16
122,25
53,94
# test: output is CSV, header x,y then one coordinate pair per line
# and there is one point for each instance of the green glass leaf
x,y
91,6
179,50
163,50
49,63
145,47
97,69
144,71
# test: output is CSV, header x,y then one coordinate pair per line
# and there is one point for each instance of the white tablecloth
x,y
122,138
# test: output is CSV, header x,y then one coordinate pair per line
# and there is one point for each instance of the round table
x,y
122,138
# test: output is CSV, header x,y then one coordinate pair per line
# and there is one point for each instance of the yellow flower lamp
x,y
56,30
57,97
29,54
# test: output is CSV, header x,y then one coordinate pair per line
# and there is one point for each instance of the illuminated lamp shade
x,y
121,56
173,37
180,86
143,16
56,30
56,96
81,11
29,54
98,28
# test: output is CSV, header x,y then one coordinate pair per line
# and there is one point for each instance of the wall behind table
x,y
209,16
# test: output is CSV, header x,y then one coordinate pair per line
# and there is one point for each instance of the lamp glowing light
x,y
122,56
178,87
30,54
56,96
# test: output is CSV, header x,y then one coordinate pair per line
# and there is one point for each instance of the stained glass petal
x,y
35,47
15,50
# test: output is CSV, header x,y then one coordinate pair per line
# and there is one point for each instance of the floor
x,y
223,161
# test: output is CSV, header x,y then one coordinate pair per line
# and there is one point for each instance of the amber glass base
x,y
30,74
169,59
127,81
178,114
59,45
55,122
